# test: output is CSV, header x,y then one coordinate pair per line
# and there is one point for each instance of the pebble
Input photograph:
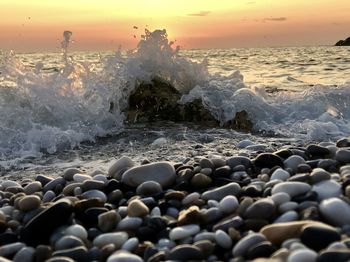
x,y
291,188
293,162
330,207
149,188
115,238
182,232
108,221
343,156
228,204
261,209
318,237
223,239
327,189
161,172
280,198
242,246
26,254
287,217
302,255
185,253
231,189
29,202
124,256
280,174
94,194
32,187
137,208
129,223
117,169
10,249
76,230
131,244
244,143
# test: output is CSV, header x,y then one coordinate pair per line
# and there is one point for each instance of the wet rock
x,y
185,253
268,160
119,167
318,237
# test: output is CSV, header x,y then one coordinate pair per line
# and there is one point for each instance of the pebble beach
x,y
286,204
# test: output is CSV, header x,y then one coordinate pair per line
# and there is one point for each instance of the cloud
x,y
274,19
201,13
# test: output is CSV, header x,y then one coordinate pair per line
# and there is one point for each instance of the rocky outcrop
x,y
158,100
345,42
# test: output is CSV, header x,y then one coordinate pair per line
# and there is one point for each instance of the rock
x,y
343,156
189,216
207,247
26,254
149,188
244,144
345,42
131,244
280,174
38,230
182,232
330,207
261,249
54,183
293,162
291,188
161,172
118,168
242,246
280,198
108,221
231,189
318,237
79,254
318,175
228,204
327,189
29,202
129,223
94,194
268,160
59,259
261,209
32,187
333,255
200,181
67,242
115,238
137,208
285,207
92,185
223,239
48,196
287,217
10,249
239,160
316,151
302,254
124,256
185,253
76,230
80,178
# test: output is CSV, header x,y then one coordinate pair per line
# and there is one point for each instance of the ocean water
x,y
52,103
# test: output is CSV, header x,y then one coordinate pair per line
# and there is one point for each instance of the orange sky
x,y
37,25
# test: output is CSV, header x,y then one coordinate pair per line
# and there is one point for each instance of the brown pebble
x,y
191,215
137,208
200,180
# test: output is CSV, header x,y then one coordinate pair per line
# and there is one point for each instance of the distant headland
x,y
345,42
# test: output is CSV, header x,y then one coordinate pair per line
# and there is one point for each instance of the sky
x,y
37,25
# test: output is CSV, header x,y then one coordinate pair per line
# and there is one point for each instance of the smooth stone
x,y
200,181
79,254
206,247
149,188
288,206
228,204
318,237
302,255
334,255
242,246
69,173
291,188
54,183
182,232
335,211
77,231
115,238
137,208
8,183
223,239
161,172
239,160
43,179
94,194
32,187
191,198
131,244
268,160
108,221
287,217
343,156
59,259
118,168
206,171
38,230
293,162
317,151
26,254
210,236
48,196
231,189
280,198
318,175
191,215
244,143
327,189
101,178
259,250
92,185
185,253
68,190
43,252
80,178
280,174
124,256
129,223
29,202
11,249
261,209
67,242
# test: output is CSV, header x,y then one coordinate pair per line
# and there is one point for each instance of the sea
x,y
55,107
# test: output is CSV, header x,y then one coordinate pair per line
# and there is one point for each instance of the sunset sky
x,y
37,25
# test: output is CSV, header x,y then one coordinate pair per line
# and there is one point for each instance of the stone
x,y
67,242
287,217
330,207
69,173
48,196
343,156
54,183
318,175
80,178
223,239
131,244
280,198
77,231
79,254
239,160
59,259
10,249
185,253
191,215
242,246
182,232
207,247
38,230
200,181
94,194
268,160
149,188
26,254
261,209
137,208
291,188
293,162
228,204
231,189
318,237
327,189
108,221
32,187
288,206
161,172
302,254
29,202
118,168
244,143
115,238
129,223
334,255
43,252
124,256
316,151
280,174
92,185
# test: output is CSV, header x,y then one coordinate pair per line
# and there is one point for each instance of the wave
x,y
48,111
